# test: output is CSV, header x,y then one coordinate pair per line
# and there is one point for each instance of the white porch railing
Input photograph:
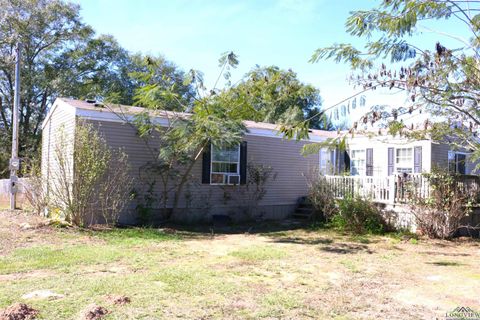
x,y
398,188
388,189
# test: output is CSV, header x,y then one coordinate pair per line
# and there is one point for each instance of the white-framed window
x,y
404,160
457,162
327,161
357,162
225,165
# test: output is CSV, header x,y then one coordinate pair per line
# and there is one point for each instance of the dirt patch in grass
x,y
20,229
258,253
358,296
94,312
14,234
26,275
104,270
18,311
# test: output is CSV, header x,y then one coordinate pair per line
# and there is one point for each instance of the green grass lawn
x,y
296,274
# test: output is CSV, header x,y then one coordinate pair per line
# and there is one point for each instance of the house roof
x,y
119,109
122,111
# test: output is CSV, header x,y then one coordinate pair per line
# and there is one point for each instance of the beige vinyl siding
x,y
440,157
123,136
61,122
283,156
440,154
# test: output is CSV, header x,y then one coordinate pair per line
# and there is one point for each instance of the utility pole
x,y
14,161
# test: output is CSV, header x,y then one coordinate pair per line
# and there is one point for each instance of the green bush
x,y
321,197
358,215
90,182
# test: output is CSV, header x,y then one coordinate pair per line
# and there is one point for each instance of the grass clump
x,y
42,257
193,281
181,279
134,236
278,305
403,235
281,300
350,265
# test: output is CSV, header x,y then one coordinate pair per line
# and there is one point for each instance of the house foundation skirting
x,y
205,215
236,214
400,216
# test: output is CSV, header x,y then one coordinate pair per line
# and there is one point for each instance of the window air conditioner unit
x,y
234,179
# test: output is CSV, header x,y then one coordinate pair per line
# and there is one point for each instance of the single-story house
x,y
211,189
218,176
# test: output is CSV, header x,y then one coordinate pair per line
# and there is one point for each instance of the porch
x,y
394,189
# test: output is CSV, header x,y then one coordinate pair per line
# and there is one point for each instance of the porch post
x,y
391,189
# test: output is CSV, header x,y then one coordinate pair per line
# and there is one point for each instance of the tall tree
x,y
96,68
61,56
278,96
443,81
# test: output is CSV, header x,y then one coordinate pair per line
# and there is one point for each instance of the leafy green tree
x,y
61,56
212,120
278,96
159,84
443,81
96,68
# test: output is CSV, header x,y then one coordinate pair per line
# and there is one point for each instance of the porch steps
x,y
304,210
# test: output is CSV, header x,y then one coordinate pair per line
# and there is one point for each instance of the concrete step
x,y
304,210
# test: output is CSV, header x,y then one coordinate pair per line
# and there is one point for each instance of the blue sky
x,y
194,33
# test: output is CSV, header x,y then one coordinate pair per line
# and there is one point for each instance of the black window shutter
x,y
390,161
243,162
346,161
369,162
460,159
417,159
206,161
